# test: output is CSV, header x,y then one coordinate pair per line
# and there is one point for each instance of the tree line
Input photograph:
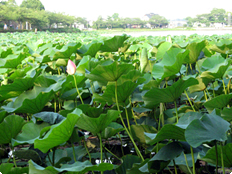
x,y
115,21
33,12
215,16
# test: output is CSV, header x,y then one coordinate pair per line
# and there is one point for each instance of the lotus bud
x,y
71,67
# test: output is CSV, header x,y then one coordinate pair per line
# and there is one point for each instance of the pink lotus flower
x,y
71,67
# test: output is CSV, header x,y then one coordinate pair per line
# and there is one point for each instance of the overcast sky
x,y
170,9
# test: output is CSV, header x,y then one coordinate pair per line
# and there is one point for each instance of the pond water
x,y
172,33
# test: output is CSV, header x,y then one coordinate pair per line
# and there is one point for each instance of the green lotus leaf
x,y
66,51
168,131
220,102
6,167
162,49
109,73
138,131
171,63
195,50
58,133
123,92
30,132
162,158
155,96
18,86
209,127
83,65
28,154
201,86
32,101
187,118
215,67
97,125
224,46
127,164
211,155
113,44
5,53
10,127
112,129
226,113
143,60
12,61
180,160
88,110
90,49
80,167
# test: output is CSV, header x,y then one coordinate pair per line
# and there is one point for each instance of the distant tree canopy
x,y
32,11
215,16
115,21
33,4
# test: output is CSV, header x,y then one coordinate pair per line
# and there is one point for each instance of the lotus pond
x,y
130,105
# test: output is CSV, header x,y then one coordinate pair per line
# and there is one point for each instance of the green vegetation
x,y
215,16
33,12
114,21
82,102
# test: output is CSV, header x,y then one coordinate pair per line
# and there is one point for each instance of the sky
x,y
170,9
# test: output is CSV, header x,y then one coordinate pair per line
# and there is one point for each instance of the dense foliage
x,y
215,16
128,105
33,13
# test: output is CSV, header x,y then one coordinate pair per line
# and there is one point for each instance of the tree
x,y
115,16
99,22
33,4
218,15
158,21
190,21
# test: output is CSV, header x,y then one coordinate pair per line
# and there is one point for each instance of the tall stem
x,y
74,155
132,110
189,101
77,89
12,149
175,167
224,86
193,160
177,117
86,148
216,157
186,161
100,139
222,160
136,147
127,119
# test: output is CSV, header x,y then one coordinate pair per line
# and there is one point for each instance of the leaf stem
x,y
222,160
175,166
177,117
186,161
113,154
100,139
127,119
189,101
121,144
86,148
136,147
74,155
77,89
224,86
193,160
132,111
216,151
